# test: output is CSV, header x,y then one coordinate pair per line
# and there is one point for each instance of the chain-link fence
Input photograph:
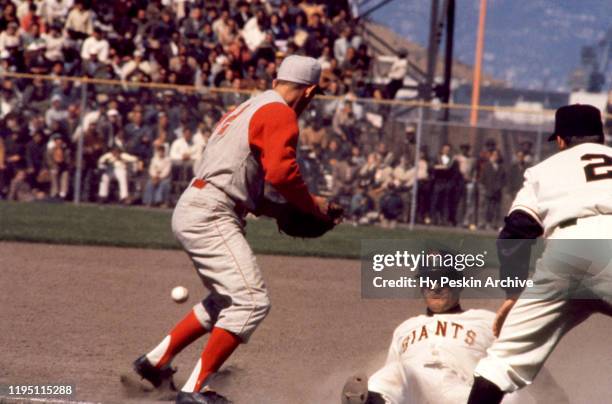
x,y
385,161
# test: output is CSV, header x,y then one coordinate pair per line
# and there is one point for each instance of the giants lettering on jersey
x,y
443,328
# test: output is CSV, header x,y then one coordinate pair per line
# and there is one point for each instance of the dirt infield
x,y
81,314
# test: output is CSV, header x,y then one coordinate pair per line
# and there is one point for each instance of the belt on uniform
x,y
198,183
568,223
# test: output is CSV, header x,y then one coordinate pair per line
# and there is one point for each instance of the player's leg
x,y
400,382
184,333
64,183
237,276
213,237
122,180
155,365
530,333
148,194
104,185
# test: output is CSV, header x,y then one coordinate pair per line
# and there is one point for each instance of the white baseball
x,y
179,294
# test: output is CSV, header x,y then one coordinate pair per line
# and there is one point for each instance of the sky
x,y
529,43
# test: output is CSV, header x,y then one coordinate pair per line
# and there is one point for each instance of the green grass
x,y
147,228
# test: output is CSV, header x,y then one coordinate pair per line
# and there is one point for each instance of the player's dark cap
x,y
577,120
435,267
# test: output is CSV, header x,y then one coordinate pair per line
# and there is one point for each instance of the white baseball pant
x,y
206,224
121,175
573,280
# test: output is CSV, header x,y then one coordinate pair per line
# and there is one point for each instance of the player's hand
x,y
502,313
328,210
335,212
322,205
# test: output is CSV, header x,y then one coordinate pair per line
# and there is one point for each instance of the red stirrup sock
x,y
219,347
184,333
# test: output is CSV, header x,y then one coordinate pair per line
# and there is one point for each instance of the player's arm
x,y
514,247
522,226
273,134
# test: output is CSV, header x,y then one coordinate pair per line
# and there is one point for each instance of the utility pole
x,y
478,63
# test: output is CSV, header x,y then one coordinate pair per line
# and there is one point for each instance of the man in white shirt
x,y
54,44
157,188
79,23
342,44
115,164
54,10
95,45
397,73
10,40
56,113
184,152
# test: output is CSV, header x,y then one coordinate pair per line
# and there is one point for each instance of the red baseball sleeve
x,y
273,133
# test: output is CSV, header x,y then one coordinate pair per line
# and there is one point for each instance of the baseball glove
x,y
296,223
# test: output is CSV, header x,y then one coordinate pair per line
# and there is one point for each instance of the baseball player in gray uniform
x,y
566,198
251,145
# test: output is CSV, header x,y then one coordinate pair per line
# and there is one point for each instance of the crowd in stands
x,y
454,187
140,143
220,43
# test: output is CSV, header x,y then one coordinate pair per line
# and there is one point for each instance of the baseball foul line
x,y
10,399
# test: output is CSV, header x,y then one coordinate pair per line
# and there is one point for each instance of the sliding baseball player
x,y
432,356
567,198
253,144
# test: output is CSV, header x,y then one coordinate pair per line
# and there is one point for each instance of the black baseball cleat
x,y
206,397
157,377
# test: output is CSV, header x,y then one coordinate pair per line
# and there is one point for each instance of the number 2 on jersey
x,y
589,169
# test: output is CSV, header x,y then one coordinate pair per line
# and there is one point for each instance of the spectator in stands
x,y
13,154
115,164
58,161
404,176
467,202
54,44
36,95
136,128
56,113
79,23
424,187
20,190
492,179
93,148
342,44
54,11
157,189
441,186
184,153
361,205
344,123
314,135
516,173
11,42
35,152
397,73
391,206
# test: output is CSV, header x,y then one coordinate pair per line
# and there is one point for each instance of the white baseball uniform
x,y
253,144
570,195
431,358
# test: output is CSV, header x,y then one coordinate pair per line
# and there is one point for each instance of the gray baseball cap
x,y
300,70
